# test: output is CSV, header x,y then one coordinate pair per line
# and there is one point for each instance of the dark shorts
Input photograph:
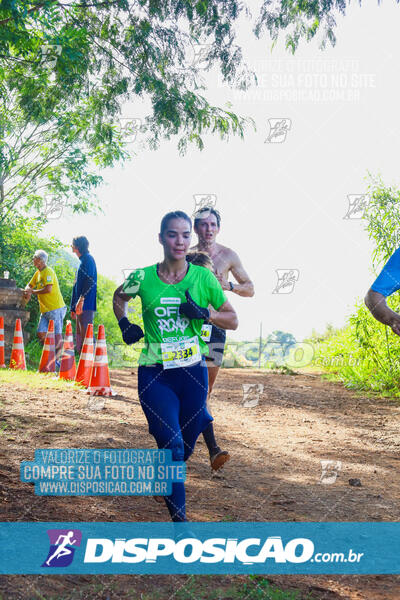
x,y
216,346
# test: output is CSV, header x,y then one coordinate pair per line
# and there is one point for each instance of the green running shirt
x,y
160,307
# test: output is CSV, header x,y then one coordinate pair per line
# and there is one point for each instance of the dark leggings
x,y
174,402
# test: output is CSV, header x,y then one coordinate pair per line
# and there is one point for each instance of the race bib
x,y
180,354
205,333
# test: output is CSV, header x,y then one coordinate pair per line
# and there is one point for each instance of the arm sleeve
x,y
49,279
32,282
216,293
388,280
131,285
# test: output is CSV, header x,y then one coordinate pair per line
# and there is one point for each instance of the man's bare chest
x,y
221,263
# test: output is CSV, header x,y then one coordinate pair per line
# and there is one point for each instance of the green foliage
x,y
302,20
49,160
19,239
104,314
364,354
66,71
382,219
119,354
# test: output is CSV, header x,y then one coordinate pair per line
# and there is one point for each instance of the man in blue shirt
x,y
387,282
83,301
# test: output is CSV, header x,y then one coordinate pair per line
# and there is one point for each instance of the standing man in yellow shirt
x,y
44,285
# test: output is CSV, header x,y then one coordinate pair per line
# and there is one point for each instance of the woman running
x,y
172,373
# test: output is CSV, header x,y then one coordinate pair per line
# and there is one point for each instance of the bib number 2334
x,y
180,354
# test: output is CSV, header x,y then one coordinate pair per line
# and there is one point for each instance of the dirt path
x,y
274,474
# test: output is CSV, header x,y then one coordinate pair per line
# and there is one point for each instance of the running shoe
x,y
219,459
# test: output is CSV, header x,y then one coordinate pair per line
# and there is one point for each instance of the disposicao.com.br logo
x,y
207,547
186,549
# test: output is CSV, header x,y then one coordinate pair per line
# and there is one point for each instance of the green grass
x,y
35,380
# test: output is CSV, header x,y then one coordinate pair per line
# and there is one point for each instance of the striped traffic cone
x,y
2,363
17,360
68,368
86,358
100,378
48,359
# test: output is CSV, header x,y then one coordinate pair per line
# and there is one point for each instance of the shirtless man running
x,y
207,225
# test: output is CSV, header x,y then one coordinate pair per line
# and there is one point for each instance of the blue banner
x,y
102,472
202,548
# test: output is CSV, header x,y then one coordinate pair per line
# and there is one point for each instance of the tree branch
x,y
4,21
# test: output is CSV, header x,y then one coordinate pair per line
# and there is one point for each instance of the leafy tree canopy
x,y
67,68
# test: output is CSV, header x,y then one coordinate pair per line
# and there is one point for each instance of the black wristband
x,y
131,333
123,323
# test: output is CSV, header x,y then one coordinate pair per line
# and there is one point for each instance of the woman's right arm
x,y
131,333
120,303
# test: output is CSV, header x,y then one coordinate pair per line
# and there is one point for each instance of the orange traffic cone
x,y
100,378
48,359
68,368
2,363
86,358
17,360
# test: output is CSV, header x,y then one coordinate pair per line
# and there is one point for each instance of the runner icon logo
x,y
201,202
330,471
130,127
358,204
63,543
286,280
53,208
200,59
251,394
278,129
50,54
133,278
96,403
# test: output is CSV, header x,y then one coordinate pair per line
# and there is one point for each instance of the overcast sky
x,y
283,197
